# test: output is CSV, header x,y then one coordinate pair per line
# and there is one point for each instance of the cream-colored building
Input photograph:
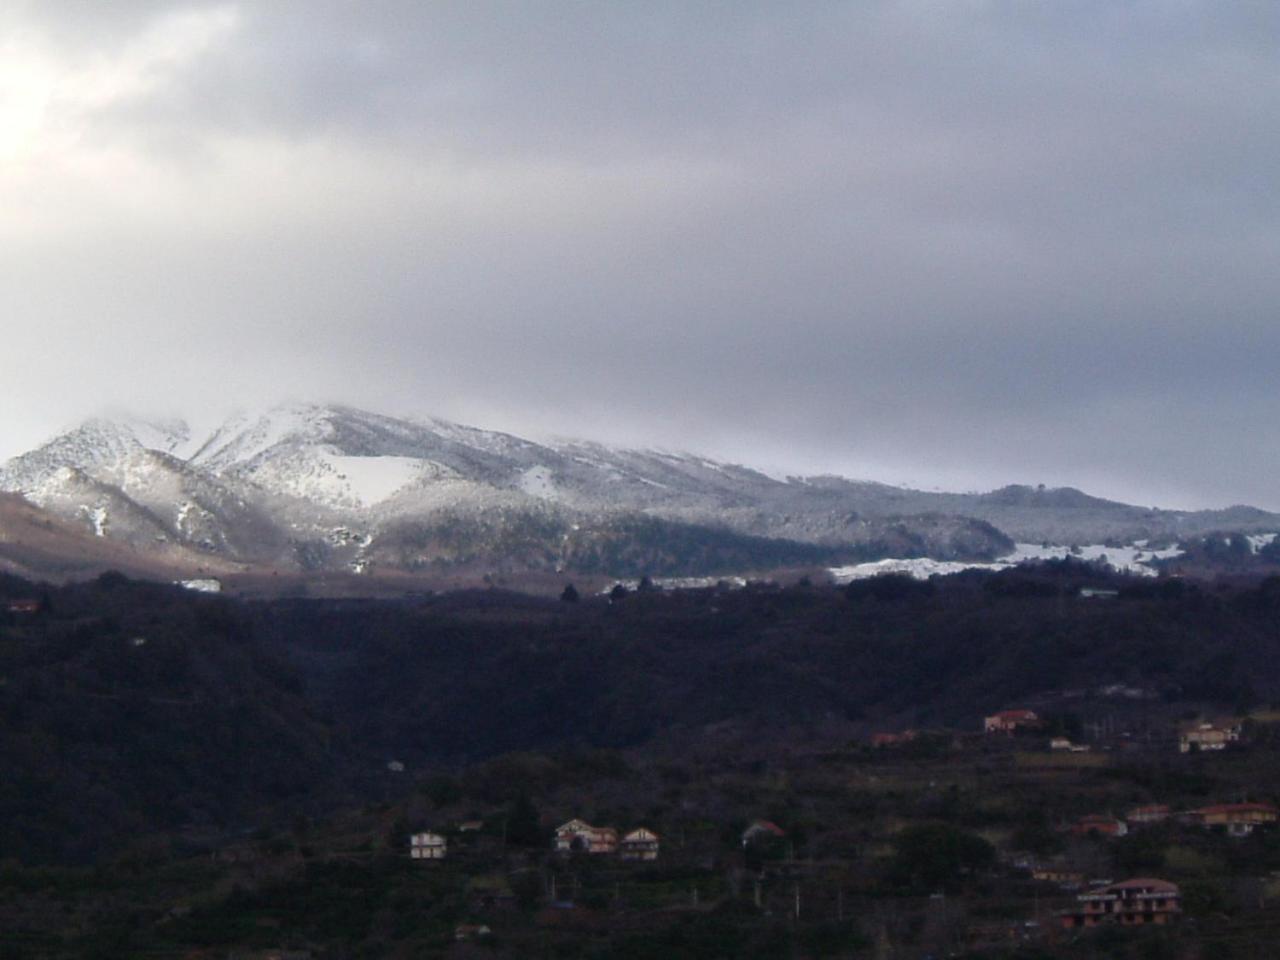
x,y
1239,819
1209,736
428,846
578,836
640,844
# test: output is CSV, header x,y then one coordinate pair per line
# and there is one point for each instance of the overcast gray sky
x,y
955,244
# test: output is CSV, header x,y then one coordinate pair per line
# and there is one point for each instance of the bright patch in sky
x,y
966,244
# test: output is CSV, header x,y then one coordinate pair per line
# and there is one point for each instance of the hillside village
x,y
978,802
904,864
1081,901
963,843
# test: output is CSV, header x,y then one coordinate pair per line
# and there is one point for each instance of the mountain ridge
x,y
313,487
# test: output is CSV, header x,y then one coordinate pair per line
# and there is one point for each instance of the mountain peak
x,y
244,436
314,486
97,443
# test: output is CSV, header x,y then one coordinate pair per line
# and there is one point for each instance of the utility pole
x,y
884,945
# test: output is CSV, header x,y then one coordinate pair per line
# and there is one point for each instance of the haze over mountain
x,y
315,488
951,245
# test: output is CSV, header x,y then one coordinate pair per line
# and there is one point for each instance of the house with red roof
x,y
762,830
578,836
1143,901
1099,825
1151,813
641,844
1008,721
1239,819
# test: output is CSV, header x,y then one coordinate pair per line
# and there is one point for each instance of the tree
x,y
889,587
524,827
937,856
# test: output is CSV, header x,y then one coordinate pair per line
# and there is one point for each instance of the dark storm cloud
x,y
961,243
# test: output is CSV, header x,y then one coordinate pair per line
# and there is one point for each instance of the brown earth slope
x,y
34,543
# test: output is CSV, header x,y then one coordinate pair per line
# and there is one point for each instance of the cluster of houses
x,y
1237,819
1139,902
1202,735
1145,900
1209,736
576,836
1006,722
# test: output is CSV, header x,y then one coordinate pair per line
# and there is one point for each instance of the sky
x,y
950,244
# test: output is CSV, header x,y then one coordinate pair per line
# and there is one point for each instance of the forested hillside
x,y
130,707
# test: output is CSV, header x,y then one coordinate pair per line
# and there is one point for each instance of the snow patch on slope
x,y
370,480
168,436
922,568
537,482
322,475
1259,540
1133,559
202,585
98,518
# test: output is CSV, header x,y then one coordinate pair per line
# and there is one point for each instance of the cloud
x,y
959,243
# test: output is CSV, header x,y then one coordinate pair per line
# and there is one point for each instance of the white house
x,y
427,846
578,836
1209,736
640,844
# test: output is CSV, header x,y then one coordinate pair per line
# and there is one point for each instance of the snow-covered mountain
x,y
128,480
316,487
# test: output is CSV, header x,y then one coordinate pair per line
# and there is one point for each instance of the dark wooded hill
x,y
130,707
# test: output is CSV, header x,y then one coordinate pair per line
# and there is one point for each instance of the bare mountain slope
x,y
37,544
